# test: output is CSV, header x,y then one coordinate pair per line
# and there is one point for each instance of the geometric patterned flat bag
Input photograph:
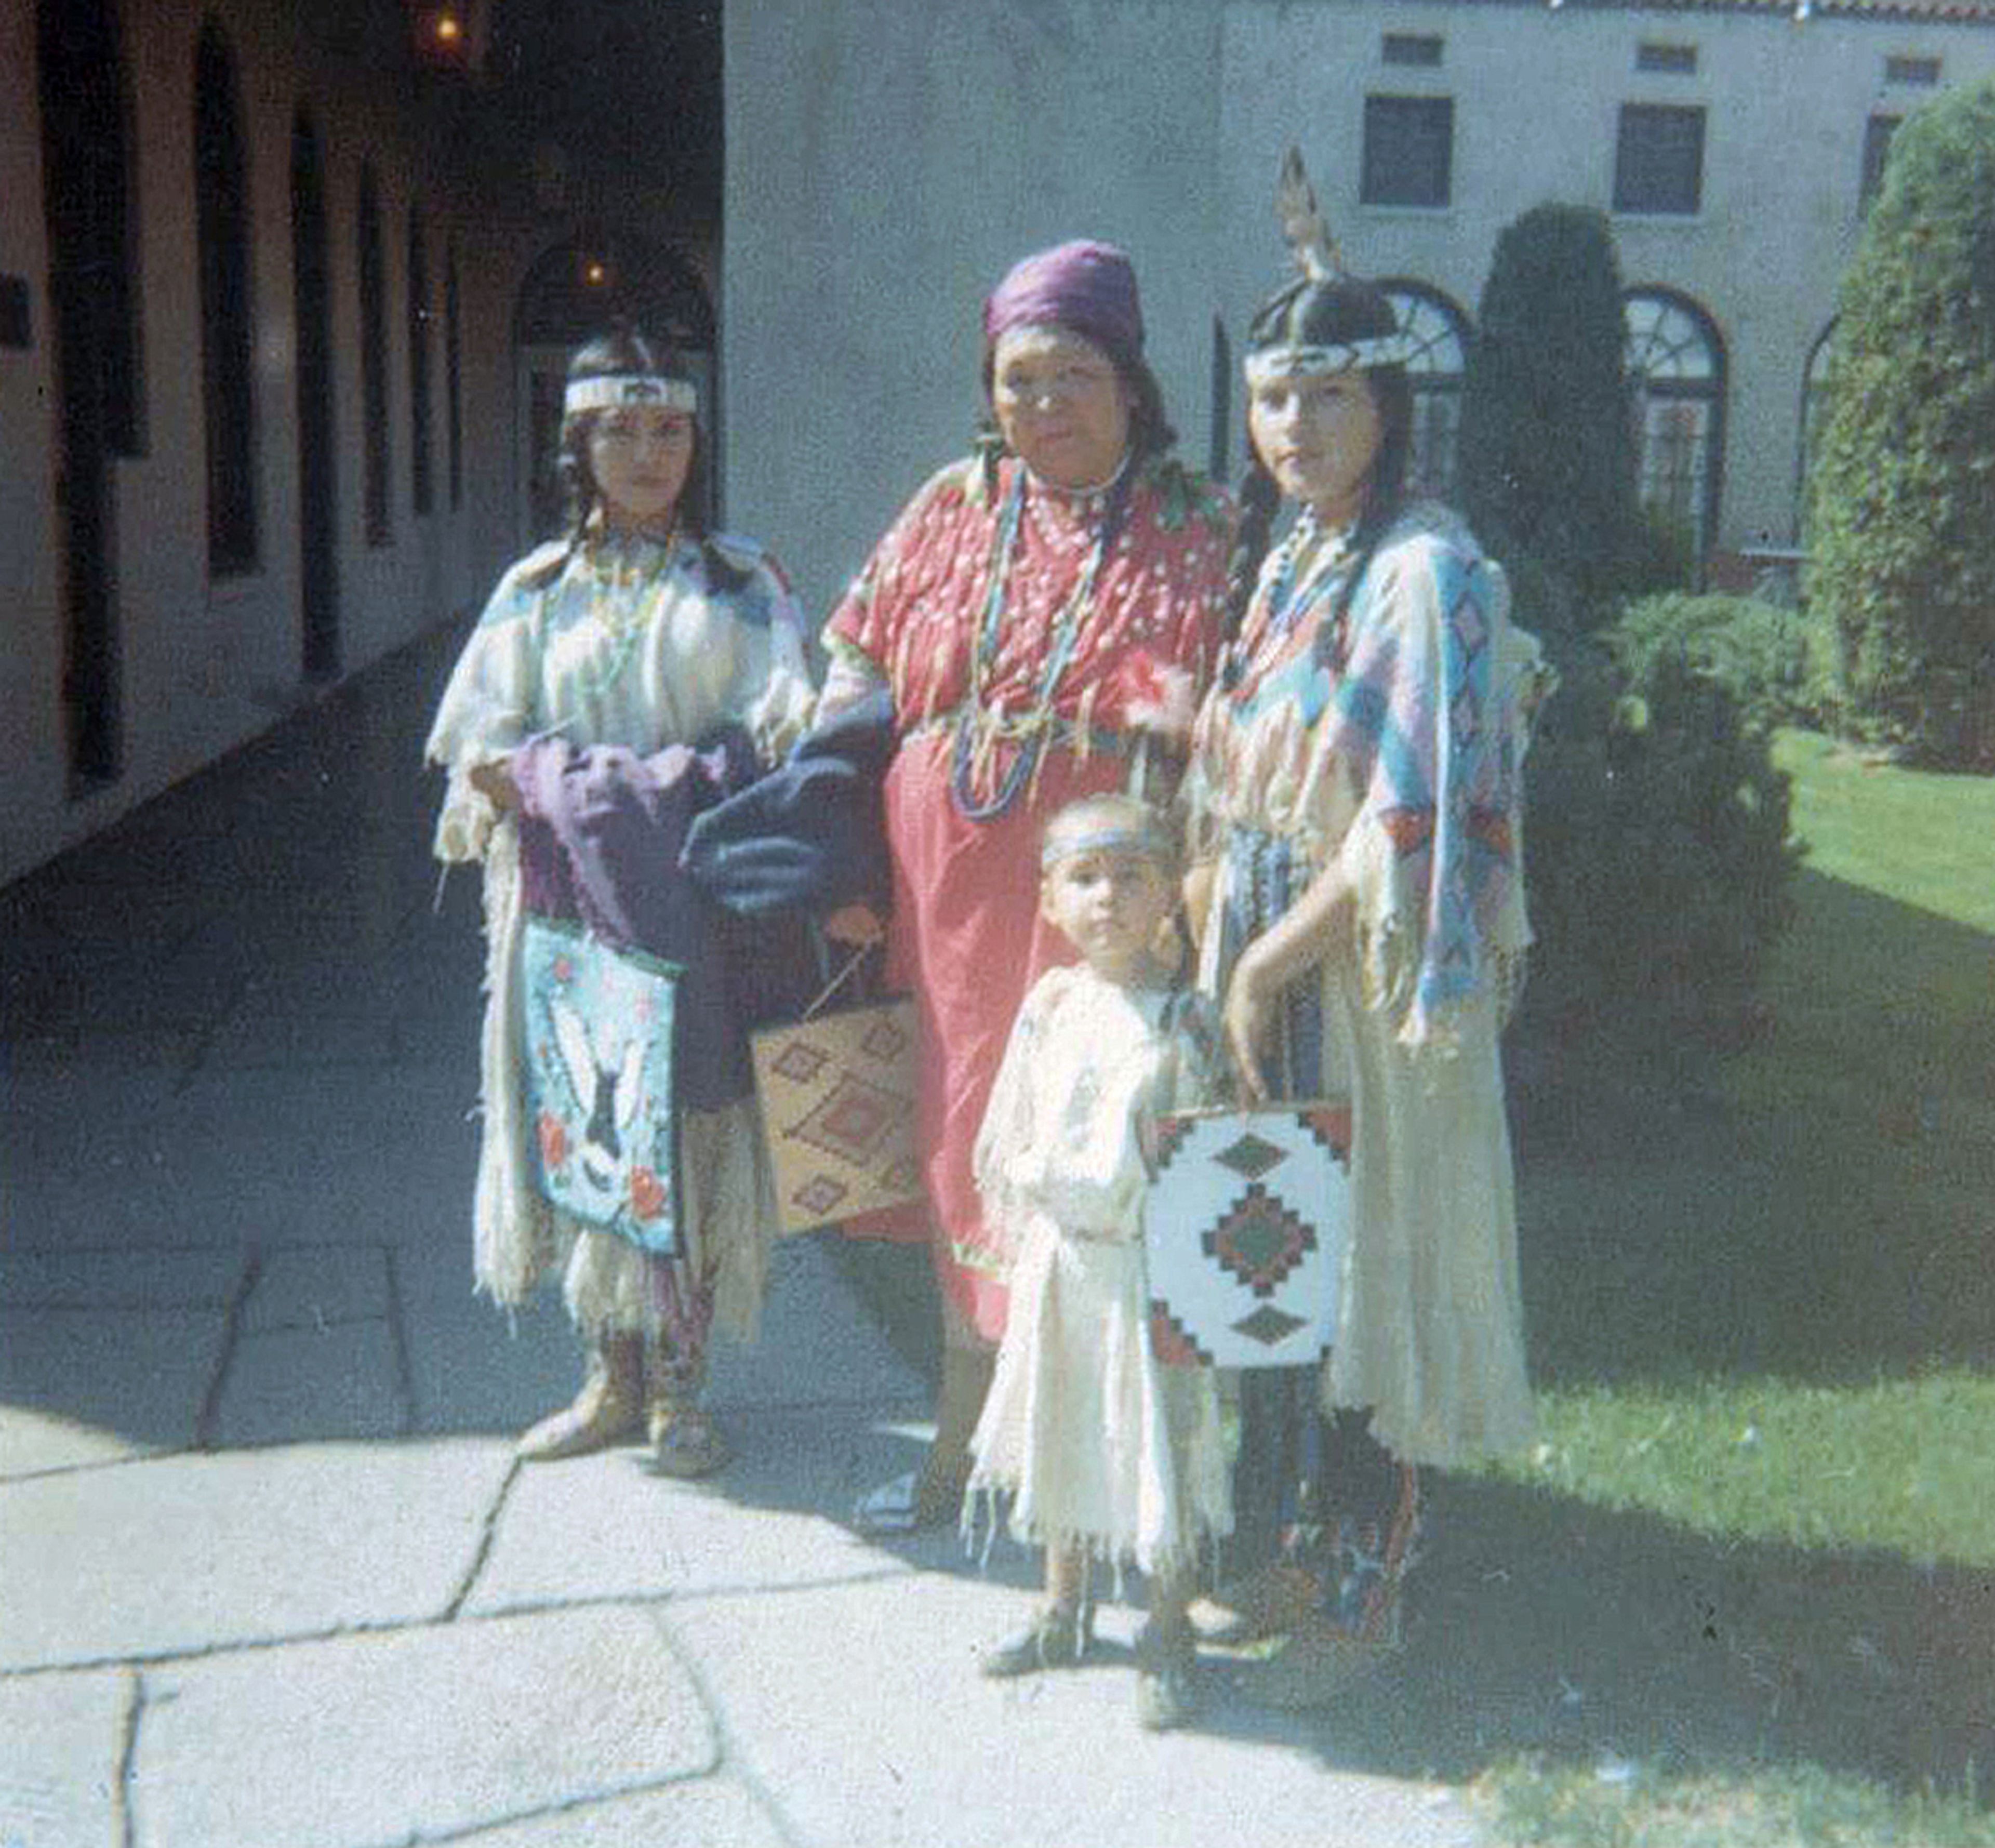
x,y
837,1097
1244,1229
599,1055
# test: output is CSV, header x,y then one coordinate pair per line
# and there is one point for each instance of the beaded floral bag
x,y
598,1058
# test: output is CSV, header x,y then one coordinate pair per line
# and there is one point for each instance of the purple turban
x,y
1087,288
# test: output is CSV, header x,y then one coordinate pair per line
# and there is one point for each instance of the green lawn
x,y
1761,1290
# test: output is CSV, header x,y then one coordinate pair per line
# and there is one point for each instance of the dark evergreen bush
x,y
1546,449
1902,512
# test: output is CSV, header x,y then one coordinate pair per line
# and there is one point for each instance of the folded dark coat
x,y
810,835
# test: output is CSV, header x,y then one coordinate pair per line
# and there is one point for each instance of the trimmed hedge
x,y
1546,453
1901,534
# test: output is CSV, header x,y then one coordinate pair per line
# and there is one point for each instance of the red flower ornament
x,y
647,1194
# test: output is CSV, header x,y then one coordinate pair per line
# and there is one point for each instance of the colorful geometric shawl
x,y
1430,711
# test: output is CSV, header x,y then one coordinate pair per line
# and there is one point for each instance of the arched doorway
x,y
573,292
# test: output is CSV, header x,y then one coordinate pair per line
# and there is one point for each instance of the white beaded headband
x,y
1312,362
616,391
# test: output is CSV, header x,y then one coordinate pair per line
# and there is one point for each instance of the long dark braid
x,y
1260,499
1332,642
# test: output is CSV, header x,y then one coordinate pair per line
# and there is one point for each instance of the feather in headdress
x,y
1302,221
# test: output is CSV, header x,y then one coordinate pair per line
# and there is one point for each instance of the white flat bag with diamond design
x,y
1245,1229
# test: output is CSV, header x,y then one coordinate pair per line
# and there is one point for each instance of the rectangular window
x,y
1877,133
1659,159
1673,60
1411,48
1408,150
1924,71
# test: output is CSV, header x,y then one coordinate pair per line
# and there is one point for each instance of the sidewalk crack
x,y
488,1534
209,1416
124,1820
727,1758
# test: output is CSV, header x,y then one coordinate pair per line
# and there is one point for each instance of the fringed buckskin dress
x,y
1382,726
642,644
1101,1450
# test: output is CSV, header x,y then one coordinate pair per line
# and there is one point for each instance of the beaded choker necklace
x,y
979,733
1288,601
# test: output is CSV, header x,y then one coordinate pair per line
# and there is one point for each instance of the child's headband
x,y
1149,837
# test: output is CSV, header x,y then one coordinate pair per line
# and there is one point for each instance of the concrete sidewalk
x,y
268,1573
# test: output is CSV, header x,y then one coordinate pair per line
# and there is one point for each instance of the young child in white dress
x,y
1105,1454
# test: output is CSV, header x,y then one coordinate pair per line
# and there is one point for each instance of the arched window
x,y
1814,409
1676,364
373,363
420,496
221,197
1438,332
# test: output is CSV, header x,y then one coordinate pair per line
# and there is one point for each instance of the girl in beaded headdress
x,y
637,631
1356,774
1106,1456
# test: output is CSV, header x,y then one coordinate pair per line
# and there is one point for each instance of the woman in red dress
x,y
1046,613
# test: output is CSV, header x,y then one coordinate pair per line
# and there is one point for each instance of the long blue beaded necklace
x,y
1032,729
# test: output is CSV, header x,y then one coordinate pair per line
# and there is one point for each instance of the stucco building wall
x,y
886,163
887,159
1537,92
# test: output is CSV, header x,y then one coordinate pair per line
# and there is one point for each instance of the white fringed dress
x,y
633,643
1098,1448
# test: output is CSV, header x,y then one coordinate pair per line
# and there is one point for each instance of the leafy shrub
x,y
1760,653
1655,847
1903,548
